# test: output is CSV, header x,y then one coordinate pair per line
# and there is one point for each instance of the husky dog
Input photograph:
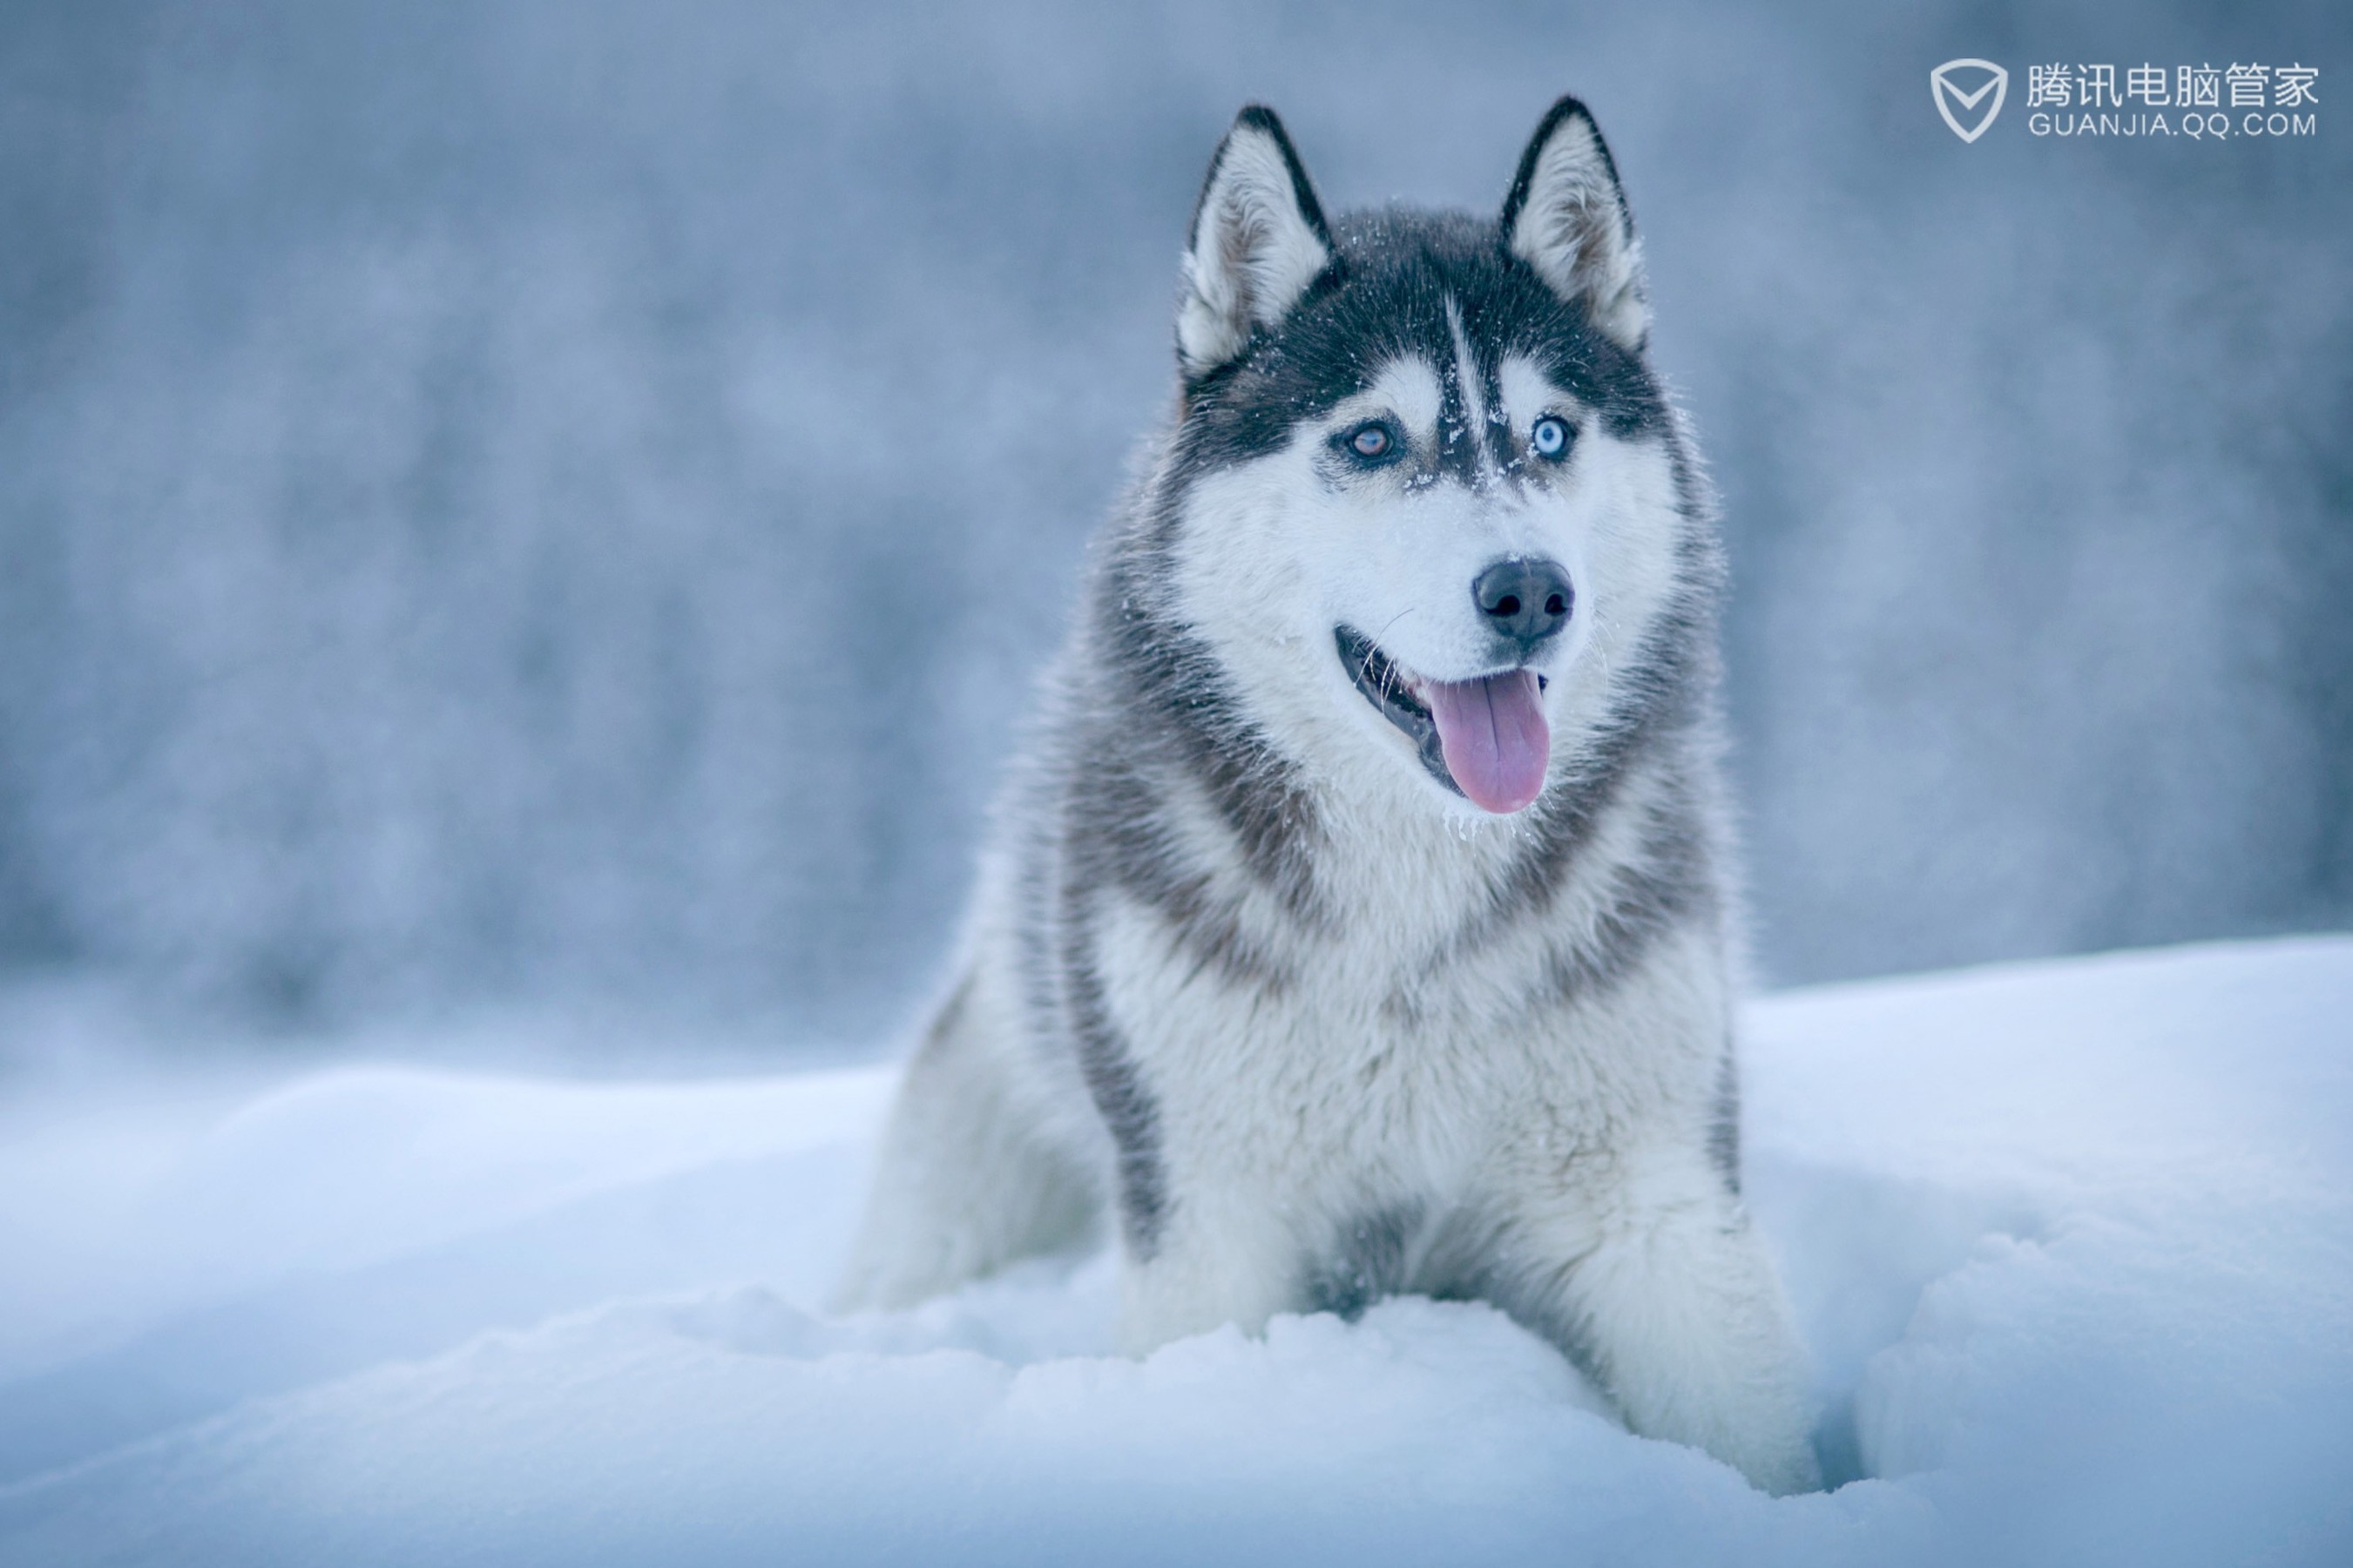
x,y
1356,920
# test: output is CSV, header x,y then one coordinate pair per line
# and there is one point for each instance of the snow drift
x,y
2071,1244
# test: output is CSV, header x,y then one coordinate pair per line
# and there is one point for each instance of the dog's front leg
x,y
1671,1305
1216,1258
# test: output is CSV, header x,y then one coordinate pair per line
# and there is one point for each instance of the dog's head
x,y
1427,482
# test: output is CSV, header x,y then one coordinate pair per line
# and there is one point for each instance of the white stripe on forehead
x,y
1466,376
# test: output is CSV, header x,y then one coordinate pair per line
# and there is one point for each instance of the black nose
x,y
1526,601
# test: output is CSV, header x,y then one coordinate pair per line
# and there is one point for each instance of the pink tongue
x,y
1495,737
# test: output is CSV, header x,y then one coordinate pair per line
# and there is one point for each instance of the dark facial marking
x,y
1384,299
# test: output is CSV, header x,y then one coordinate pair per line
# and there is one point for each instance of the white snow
x,y
2071,1244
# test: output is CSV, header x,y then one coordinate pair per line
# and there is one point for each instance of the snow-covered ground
x,y
2072,1243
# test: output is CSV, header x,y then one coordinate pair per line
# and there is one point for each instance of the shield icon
x,y
1948,93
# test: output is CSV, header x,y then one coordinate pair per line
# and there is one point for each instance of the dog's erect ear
x,y
1567,218
1258,241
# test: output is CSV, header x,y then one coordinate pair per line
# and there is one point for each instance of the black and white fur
x,y
1243,968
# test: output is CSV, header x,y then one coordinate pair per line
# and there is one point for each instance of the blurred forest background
x,y
461,466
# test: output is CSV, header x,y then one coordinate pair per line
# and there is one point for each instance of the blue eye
x,y
1550,436
1371,442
